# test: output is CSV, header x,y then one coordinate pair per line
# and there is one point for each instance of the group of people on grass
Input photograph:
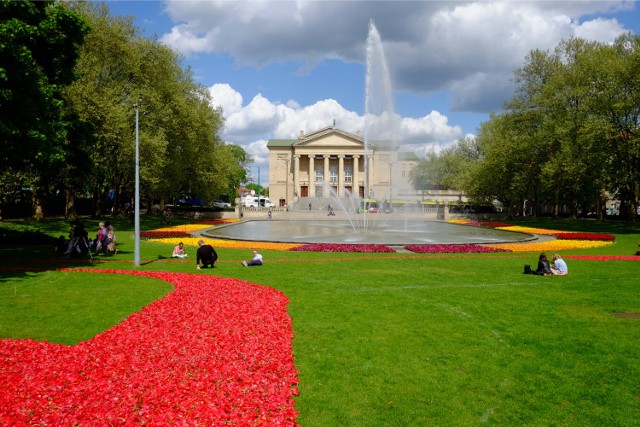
x,y
78,244
545,268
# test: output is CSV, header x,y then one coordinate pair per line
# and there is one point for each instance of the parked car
x,y
221,204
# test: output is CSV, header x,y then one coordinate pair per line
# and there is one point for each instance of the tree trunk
x,y
96,202
70,205
37,203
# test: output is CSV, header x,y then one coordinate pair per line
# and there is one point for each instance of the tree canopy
x,y
39,46
70,99
569,138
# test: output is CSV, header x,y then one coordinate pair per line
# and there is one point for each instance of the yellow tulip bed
x,y
548,246
218,243
552,245
231,244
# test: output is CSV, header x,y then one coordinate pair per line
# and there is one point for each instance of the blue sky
x,y
278,67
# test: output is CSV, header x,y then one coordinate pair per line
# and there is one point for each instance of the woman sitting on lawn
x,y
559,266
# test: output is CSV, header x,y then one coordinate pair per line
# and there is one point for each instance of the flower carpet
x,y
214,351
563,241
342,247
451,248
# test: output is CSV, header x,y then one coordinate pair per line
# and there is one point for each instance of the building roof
x,y
306,138
281,142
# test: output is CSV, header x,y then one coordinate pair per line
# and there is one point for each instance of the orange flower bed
x,y
232,244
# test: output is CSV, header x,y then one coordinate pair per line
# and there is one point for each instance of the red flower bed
x,y
496,224
215,351
341,247
585,236
605,257
443,249
163,234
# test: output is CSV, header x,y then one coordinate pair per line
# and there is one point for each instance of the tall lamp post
x,y
136,237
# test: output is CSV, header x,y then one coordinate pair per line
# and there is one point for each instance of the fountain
x,y
352,224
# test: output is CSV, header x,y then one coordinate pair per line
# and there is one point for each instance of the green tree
x,y
39,44
180,150
569,137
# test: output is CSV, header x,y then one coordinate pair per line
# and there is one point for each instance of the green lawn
x,y
396,340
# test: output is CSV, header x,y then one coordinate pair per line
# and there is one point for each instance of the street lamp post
x,y
136,239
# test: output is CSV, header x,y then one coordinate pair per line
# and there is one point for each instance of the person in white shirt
x,y
255,261
559,266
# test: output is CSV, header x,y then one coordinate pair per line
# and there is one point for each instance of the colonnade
x,y
340,171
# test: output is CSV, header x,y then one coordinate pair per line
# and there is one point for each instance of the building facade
x,y
333,163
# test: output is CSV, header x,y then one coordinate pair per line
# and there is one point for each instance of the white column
x,y
369,175
296,177
326,181
354,186
341,175
312,177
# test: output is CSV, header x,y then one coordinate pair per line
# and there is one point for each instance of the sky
x,y
279,67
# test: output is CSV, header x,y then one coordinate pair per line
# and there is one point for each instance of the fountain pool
x,y
394,232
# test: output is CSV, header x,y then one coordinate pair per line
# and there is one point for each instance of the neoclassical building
x,y
330,162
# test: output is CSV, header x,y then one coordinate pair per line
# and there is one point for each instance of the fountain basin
x,y
390,232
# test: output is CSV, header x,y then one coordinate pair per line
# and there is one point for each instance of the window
x,y
333,173
348,173
319,173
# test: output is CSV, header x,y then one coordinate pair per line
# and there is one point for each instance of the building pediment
x,y
329,137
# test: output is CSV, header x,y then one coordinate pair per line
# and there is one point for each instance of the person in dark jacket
x,y
206,254
544,268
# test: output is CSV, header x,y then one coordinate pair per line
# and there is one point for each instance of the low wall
x,y
206,214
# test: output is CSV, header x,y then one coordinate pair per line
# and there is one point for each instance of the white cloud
x,y
252,125
431,46
224,96
468,49
599,29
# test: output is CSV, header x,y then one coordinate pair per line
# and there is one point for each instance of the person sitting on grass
x,y
206,254
559,266
255,261
178,251
544,268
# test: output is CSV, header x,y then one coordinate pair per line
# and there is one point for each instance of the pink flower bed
x,y
585,236
215,351
443,249
342,247
163,234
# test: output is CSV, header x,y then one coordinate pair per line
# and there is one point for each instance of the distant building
x,y
331,162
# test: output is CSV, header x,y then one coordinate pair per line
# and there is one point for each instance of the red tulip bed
x,y
604,257
452,248
585,236
214,351
342,247
163,234
487,224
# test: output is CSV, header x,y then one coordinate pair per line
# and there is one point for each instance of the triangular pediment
x,y
329,137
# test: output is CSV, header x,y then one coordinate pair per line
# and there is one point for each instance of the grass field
x,y
393,339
